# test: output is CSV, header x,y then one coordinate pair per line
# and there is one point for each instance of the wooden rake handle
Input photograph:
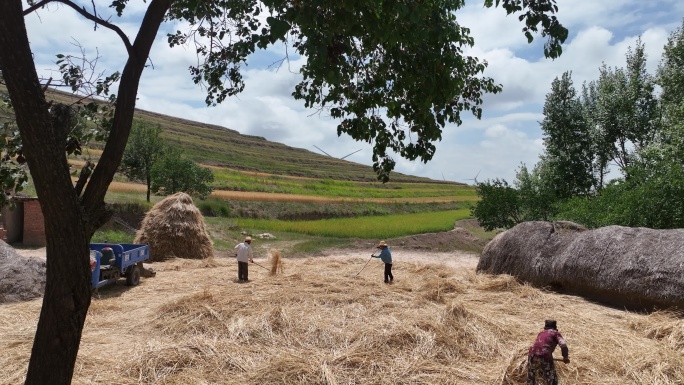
x,y
261,266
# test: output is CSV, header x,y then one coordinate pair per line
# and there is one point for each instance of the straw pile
x,y
636,268
435,325
276,262
174,227
21,278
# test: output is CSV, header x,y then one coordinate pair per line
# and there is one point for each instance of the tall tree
x,y
537,191
624,111
567,137
363,58
670,78
530,198
173,173
143,150
499,205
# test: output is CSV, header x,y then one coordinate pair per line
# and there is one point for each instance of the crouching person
x,y
540,357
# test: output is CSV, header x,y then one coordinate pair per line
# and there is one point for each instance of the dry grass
x,y
317,324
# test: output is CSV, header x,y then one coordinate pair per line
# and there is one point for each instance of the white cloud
x,y
508,134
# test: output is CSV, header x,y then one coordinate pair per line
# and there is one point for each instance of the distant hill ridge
x,y
215,145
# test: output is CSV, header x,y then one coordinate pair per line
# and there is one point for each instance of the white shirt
x,y
244,252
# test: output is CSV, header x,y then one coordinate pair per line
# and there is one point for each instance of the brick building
x,y
24,224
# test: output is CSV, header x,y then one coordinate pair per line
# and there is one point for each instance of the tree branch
x,y
89,16
103,174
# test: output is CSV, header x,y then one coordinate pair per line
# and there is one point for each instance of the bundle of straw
x,y
276,262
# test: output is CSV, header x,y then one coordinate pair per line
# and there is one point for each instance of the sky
x,y
508,135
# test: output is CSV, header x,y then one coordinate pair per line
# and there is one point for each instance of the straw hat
x,y
382,244
248,239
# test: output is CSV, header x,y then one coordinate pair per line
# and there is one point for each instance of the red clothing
x,y
546,343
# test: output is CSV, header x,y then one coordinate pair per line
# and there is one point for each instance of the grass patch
x,y
214,208
315,245
372,227
112,236
472,226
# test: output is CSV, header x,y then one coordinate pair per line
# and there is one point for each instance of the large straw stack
x,y
629,267
174,227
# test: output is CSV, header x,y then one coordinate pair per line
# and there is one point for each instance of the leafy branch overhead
x,y
372,64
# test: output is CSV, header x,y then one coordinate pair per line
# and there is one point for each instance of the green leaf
x,y
278,27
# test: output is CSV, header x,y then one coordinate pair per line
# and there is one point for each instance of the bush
x,y
214,208
112,236
653,199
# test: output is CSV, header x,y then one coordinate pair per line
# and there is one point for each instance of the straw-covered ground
x,y
318,323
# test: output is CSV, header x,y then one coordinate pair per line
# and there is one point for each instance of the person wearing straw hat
x,y
540,355
385,256
244,255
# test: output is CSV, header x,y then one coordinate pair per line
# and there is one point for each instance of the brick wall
x,y
34,224
13,223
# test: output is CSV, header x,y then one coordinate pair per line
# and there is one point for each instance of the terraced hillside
x,y
214,145
263,180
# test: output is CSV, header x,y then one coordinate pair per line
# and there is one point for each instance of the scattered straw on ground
x,y
317,324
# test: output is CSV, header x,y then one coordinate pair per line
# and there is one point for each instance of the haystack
x,y
636,268
174,227
21,278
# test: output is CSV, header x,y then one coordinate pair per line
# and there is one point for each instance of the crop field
x,y
233,180
375,227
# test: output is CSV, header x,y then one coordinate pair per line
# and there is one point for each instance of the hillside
x,y
258,179
219,146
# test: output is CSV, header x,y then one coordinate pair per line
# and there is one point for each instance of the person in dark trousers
x,y
244,255
540,356
385,256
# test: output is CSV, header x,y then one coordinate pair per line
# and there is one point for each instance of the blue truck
x,y
110,261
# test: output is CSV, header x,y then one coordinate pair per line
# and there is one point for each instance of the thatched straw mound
x,y
174,227
21,278
623,266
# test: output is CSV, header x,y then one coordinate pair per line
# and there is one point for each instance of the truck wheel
x,y
133,276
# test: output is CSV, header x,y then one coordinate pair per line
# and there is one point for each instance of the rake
x,y
263,267
364,266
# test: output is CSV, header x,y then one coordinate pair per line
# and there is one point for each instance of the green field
x,y
372,227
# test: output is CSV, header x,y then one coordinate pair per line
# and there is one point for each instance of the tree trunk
x,y
149,186
69,221
67,289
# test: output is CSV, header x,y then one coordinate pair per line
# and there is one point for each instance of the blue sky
x,y
507,135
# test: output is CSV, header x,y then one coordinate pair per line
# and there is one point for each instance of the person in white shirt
x,y
244,255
